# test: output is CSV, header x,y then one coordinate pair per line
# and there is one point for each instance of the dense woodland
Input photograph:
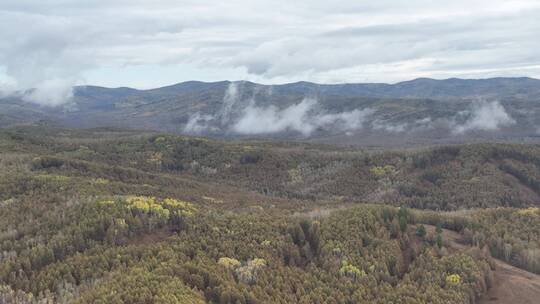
x,y
510,234
110,216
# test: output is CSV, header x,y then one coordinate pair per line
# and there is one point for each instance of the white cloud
x,y
379,124
198,124
419,124
266,41
263,120
243,116
485,116
52,92
302,117
230,98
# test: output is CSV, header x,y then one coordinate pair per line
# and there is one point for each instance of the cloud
x,y
419,124
7,87
39,58
338,41
244,117
230,98
54,92
484,116
198,124
263,120
303,118
202,123
379,124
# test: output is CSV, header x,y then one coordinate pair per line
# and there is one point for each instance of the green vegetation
x,y
444,178
421,231
510,234
106,216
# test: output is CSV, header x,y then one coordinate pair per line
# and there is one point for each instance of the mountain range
x,y
420,111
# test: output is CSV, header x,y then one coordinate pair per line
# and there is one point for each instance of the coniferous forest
x,y
113,216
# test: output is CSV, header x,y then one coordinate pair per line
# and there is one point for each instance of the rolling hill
x,y
421,111
118,216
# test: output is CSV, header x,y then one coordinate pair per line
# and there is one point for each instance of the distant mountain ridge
x,y
416,88
422,110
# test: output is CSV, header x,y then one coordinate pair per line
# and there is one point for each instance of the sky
x,y
55,44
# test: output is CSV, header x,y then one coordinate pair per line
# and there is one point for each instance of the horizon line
x,y
307,82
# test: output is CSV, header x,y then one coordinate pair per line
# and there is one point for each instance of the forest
x,y
114,216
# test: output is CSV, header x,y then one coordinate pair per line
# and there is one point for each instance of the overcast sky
x,y
57,43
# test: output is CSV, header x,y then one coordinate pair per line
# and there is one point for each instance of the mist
x,y
202,123
483,116
198,124
379,124
230,98
303,118
419,124
50,93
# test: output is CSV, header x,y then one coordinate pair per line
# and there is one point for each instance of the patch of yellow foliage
x,y
533,211
229,263
100,181
381,171
295,176
106,203
150,205
257,263
453,279
53,178
351,271
182,207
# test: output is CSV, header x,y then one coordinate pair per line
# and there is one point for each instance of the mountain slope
x,y
420,111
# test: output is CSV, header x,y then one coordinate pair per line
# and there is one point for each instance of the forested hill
x,y
417,112
114,216
438,178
